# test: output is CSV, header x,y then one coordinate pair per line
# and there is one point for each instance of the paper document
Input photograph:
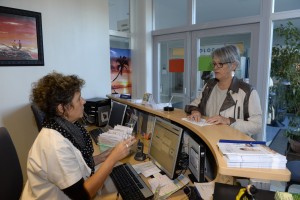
x,y
114,136
205,190
146,168
163,187
202,122
244,149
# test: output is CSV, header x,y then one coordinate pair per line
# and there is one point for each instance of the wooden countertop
x,y
211,135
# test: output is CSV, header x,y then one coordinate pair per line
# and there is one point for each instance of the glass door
x,y
204,42
171,68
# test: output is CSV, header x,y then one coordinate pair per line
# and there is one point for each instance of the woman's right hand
x,y
122,149
195,116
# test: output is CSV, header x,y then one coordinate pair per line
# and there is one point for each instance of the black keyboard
x,y
129,184
95,133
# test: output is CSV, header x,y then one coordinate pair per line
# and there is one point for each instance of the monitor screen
x,y
165,146
117,113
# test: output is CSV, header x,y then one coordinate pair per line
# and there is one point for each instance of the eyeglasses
x,y
219,65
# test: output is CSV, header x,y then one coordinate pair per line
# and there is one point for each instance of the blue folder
x,y
242,141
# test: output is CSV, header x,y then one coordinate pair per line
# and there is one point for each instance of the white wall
x,y
142,62
76,41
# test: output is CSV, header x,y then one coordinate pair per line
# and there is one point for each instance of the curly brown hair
x,y
54,89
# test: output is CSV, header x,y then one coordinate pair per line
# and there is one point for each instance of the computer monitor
x,y
165,146
117,113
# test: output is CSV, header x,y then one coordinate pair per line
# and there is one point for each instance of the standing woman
x,y
227,99
60,162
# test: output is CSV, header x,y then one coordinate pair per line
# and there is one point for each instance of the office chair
x,y
11,183
38,116
294,167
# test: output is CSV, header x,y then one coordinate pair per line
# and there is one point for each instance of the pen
x,y
170,100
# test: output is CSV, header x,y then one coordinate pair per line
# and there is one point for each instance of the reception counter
x,y
210,135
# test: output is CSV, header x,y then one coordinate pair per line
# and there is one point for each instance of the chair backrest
x,y
38,115
11,183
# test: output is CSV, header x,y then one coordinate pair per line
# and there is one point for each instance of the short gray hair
x,y
226,54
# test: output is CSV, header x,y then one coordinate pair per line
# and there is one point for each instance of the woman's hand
x,y
195,116
122,149
218,119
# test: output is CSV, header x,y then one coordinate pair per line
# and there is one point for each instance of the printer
x,y
97,110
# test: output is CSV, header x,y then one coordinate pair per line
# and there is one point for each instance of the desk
x,y
211,135
109,191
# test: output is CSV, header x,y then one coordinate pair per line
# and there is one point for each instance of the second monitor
x,y
117,113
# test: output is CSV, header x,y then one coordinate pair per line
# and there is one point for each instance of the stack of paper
x,y
114,136
202,122
163,187
206,190
251,155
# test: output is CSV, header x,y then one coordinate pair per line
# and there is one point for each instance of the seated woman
x,y
226,99
60,162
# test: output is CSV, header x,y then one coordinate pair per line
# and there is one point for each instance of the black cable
x,y
183,161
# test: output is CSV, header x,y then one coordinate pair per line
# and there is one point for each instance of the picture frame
x,y
21,40
103,115
147,98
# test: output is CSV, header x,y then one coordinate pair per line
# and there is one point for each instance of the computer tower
x,y
197,158
97,110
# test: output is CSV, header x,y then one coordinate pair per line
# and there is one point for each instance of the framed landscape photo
x,y
21,41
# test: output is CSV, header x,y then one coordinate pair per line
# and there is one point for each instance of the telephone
x,y
140,156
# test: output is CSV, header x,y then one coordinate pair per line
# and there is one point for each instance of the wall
x,y
142,63
76,41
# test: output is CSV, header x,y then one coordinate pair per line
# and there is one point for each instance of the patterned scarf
x,y
77,135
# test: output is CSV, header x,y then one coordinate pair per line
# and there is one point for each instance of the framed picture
x,y
21,41
147,98
103,115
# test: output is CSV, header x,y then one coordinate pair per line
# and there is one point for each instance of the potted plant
x,y
293,133
285,72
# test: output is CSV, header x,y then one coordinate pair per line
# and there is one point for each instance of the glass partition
x,y
286,5
170,13
284,87
207,11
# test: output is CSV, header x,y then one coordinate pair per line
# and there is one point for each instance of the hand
x,y
195,116
122,149
218,119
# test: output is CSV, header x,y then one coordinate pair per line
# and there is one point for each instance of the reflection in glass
x,y
172,72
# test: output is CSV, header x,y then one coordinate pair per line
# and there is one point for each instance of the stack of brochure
x,y
250,154
113,137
